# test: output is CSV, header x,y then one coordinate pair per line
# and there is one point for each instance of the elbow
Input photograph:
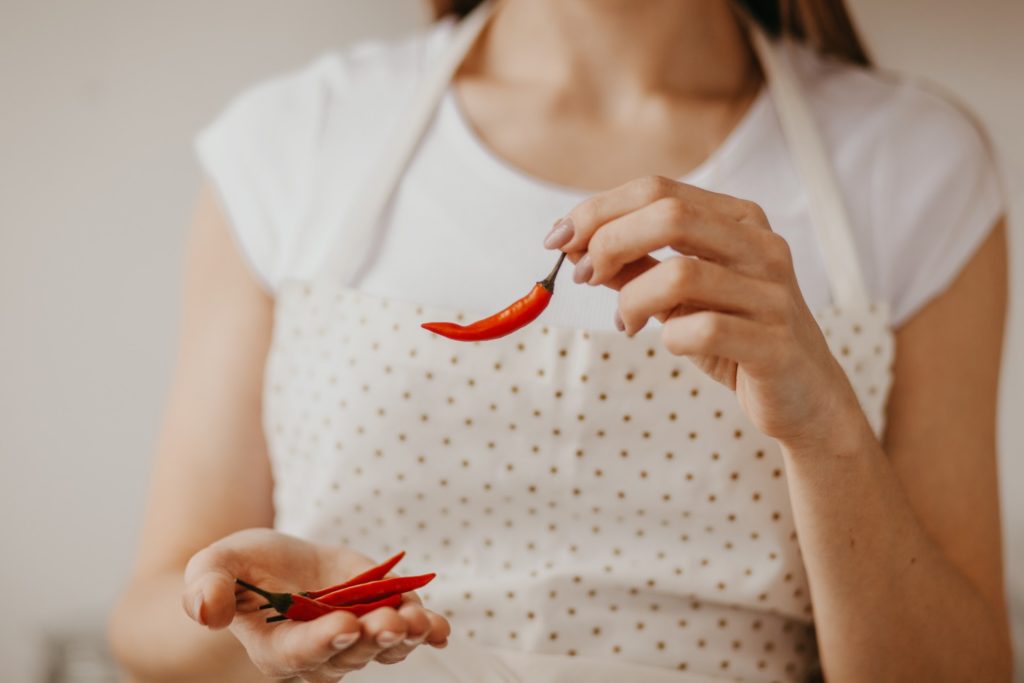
x,y
152,641
1002,666
127,640
1000,654
122,640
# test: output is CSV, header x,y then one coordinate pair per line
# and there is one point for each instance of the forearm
x,y
888,605
155,642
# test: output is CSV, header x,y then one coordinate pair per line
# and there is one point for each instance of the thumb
x,y
209,596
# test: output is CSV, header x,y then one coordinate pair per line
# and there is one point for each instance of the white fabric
x,y
464,662
825,205
289,156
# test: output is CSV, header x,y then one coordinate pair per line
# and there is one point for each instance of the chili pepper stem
x,y
279,601
548,283
255,589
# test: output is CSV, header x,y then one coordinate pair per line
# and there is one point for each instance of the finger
x,y
417,623
595,211
381,629
686,227
696,284
630,271
323,675
417,628
717,334
297,647
209,596
440,630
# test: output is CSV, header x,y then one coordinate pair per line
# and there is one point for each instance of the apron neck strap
x,y
353,240
829,216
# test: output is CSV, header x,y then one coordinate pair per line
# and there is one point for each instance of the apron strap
x,y
828,210
351,245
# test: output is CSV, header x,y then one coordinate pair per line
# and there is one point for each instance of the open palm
x,y
320,650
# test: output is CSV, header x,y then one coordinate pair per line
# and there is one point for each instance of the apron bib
x,y
594,506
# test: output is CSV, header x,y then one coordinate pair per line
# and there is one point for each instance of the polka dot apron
x,y
593,505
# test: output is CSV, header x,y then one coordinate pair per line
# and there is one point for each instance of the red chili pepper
x,y
518,315
358,609
374,590
361,608
292,605
357,599
371,574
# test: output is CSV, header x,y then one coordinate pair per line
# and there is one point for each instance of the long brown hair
x,y
825,25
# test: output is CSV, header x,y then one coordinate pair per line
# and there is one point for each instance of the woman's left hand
x,y
730,300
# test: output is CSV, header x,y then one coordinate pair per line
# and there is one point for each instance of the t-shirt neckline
x,y
715,166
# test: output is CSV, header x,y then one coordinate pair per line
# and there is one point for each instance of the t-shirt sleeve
x,y
939,198
259,155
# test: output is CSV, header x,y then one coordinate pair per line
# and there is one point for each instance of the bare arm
x,y
212,475
903,545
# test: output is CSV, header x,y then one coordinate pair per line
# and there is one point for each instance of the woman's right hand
x,y
318,651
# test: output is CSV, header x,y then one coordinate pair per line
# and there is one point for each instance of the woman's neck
x,y
607,50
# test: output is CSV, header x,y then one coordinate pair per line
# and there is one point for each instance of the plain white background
x,y
100,101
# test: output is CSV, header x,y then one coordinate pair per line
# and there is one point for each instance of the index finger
x,y
601,208
630,271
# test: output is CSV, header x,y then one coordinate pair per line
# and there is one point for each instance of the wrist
x,y
841,430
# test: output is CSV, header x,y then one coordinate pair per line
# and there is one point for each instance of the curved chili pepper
x,y
375,590
360,594
518,315
358,609
361,608
291,605
358,599
371,574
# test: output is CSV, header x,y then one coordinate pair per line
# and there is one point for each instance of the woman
x,y
603,496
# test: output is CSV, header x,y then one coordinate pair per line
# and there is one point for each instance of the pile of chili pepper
x,y
359,595
504,322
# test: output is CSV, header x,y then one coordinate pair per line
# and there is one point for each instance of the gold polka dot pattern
x,y
578,492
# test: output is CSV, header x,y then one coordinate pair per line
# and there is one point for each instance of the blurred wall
x,y
100,100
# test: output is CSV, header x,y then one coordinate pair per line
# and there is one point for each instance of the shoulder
x,y
283,144
888,116
337,80
916,169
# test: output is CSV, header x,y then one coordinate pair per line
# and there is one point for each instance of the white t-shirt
x,y
465,228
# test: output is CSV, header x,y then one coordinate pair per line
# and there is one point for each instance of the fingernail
x,y
619,325
439,646
560,234
197,609
344,640
388,638
412,641
584,270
